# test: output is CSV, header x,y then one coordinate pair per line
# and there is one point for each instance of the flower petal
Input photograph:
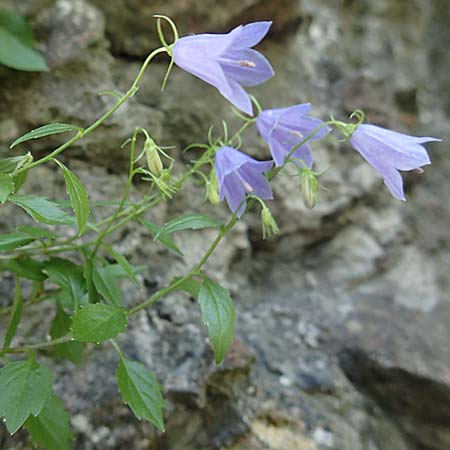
x,y
294,118
278,151
195,62
257,181
249,35
205,45
248,67
401,154
264,123
390,174
305,155
236,95
234,192
395,137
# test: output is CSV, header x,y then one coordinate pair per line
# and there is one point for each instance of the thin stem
x,y
195,271
133,89
126,192
40,346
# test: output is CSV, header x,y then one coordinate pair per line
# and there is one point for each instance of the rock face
x,y
343,337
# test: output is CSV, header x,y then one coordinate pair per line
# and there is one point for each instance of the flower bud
x,y
154,162
212,188
269,226
310,187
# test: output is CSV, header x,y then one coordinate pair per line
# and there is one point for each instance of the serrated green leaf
x,y
36,232
16,55
16,314
68,276
190,285
126,266
218,315
78,197
10,241
165,240
25,387
6,186
140,389
106,284
24,267
64,299
19,180
51,428
46,130
61,325
14,163
188,222
98,322
42,210
17,26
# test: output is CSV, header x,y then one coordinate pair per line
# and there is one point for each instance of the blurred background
x,y
343,329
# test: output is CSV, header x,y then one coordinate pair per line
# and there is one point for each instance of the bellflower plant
x,y
227,61
285,128
389,151
238,175
77,275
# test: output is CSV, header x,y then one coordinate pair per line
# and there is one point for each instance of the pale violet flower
x,y
388,152
284,128
227,61
238,175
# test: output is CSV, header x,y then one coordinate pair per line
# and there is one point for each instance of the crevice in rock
x,y
419,406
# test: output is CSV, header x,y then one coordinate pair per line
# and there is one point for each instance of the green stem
x,y
195,271
119,209
131,91
40,346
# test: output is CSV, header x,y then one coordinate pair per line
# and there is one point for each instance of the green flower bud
x,y
269,226
154,162
310,187
212,188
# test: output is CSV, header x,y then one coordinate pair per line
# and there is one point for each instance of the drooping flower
x,y
227,61
238,175
284,128
389,151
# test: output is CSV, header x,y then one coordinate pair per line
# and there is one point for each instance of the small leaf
x,y
218,315
126,266
141,391
73,351
51,428
116,94
188,222
165,240
106,284
18,27
69,276
6,187
46,130
36,232
190,285
25,267
19,180
25,387
10,241
78,197
16,314
98,322
13,163
42,210
16,55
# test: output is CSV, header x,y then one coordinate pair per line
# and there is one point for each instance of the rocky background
x,y
343,332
